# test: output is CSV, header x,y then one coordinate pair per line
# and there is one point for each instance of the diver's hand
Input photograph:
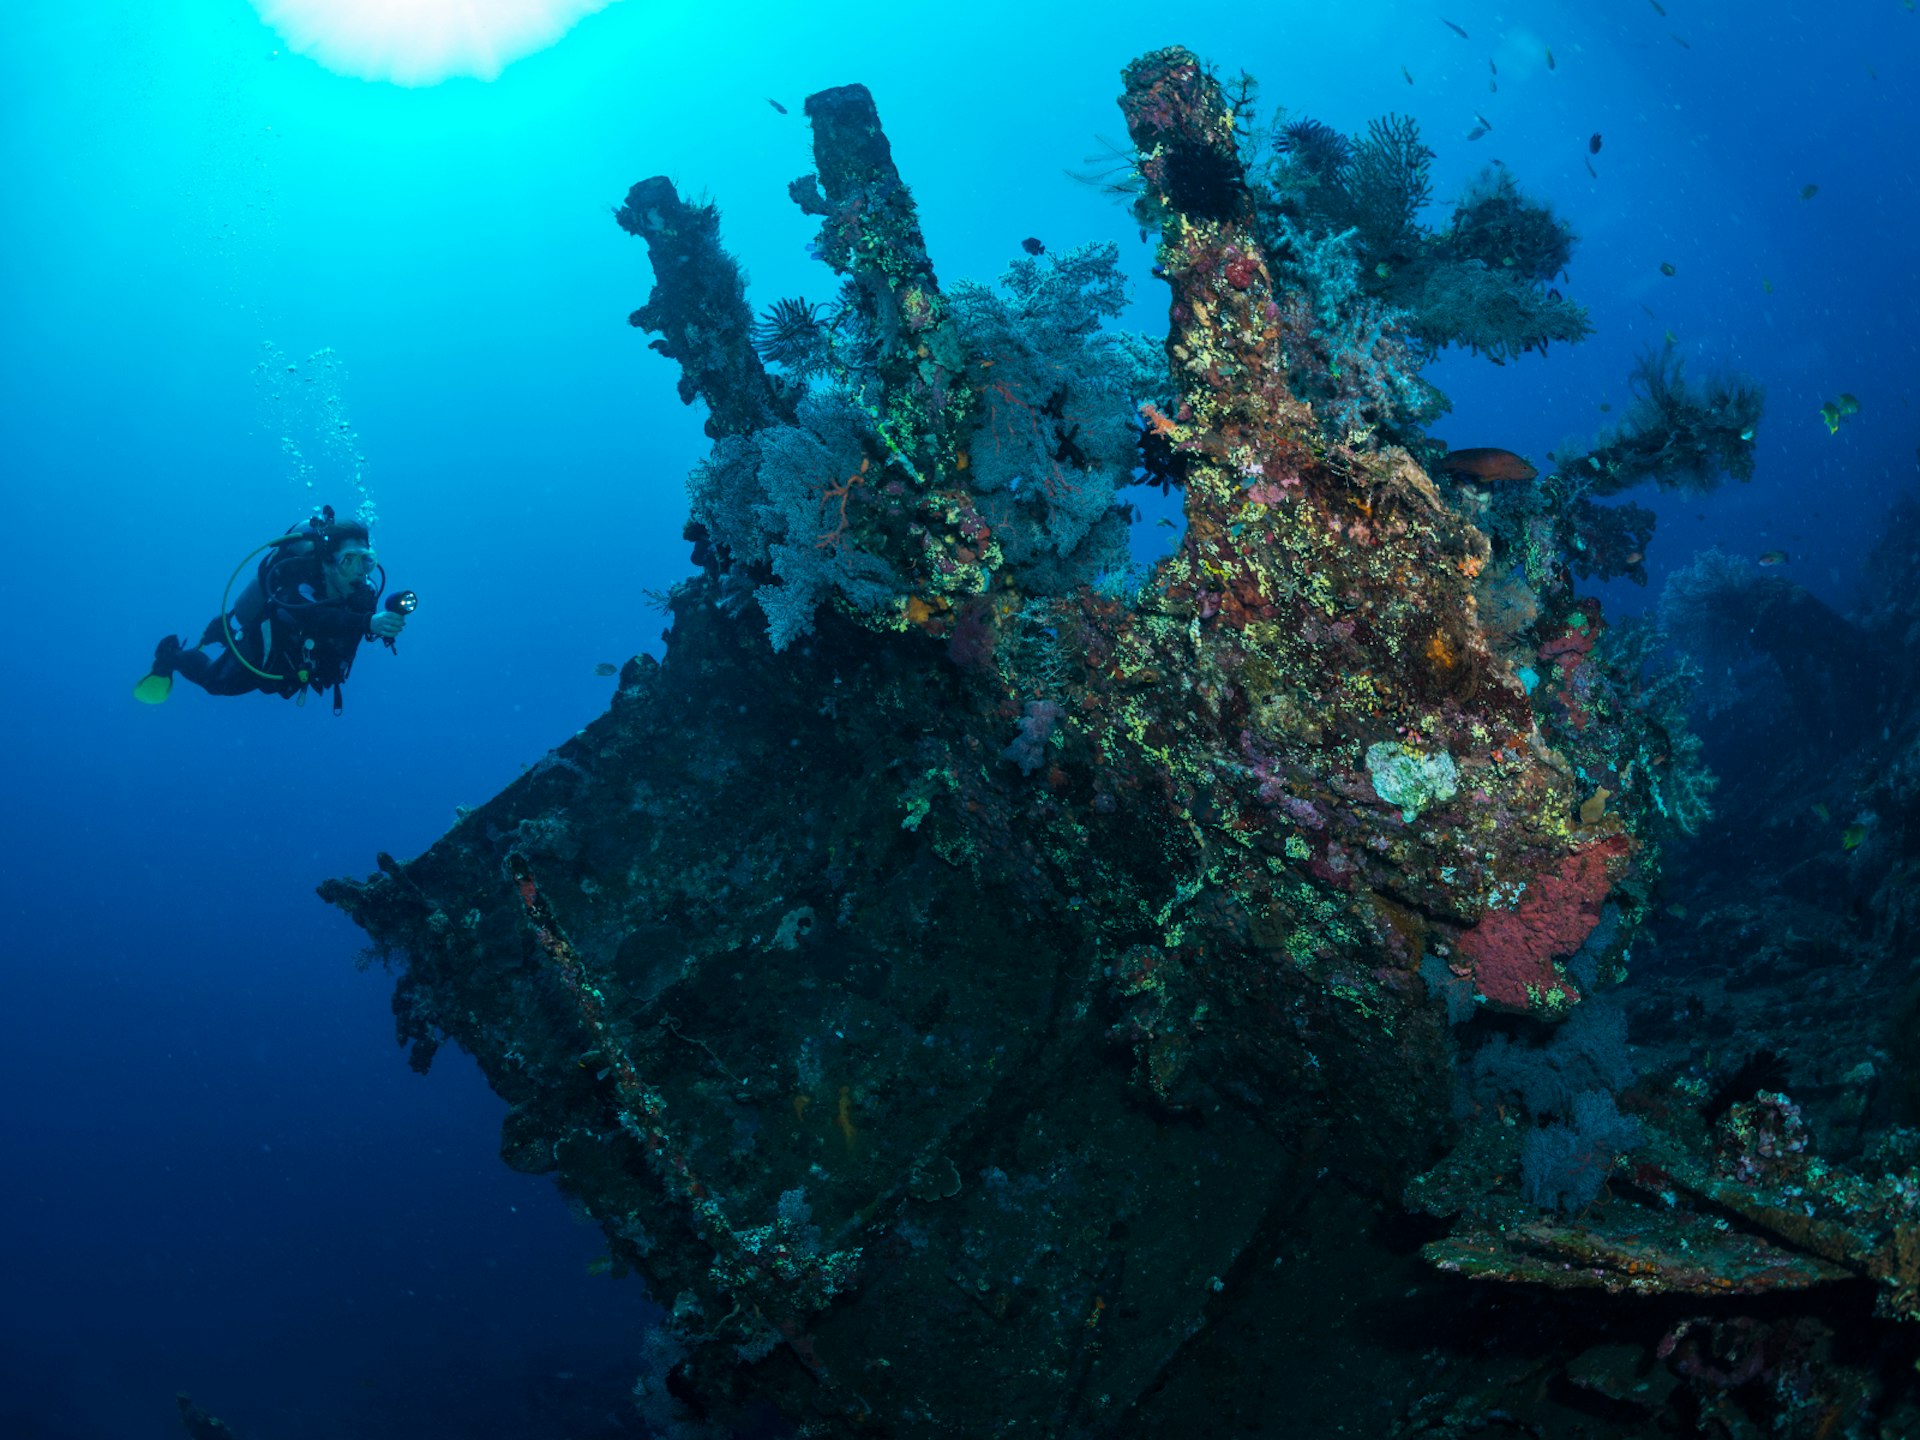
x,y
386,625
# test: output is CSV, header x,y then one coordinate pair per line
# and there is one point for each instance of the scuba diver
x,y
297,624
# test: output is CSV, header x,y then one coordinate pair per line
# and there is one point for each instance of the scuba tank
x,y
244,622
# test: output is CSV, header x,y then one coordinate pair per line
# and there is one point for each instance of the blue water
x,y
220,1175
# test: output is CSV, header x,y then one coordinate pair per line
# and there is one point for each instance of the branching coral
x,y
919,444
1706,607
1563,1165
778,502
1481,283
1678,435
1586,1052
1608,540
1348,353
1342,221
1496,225
1659,687
1053,438
1490,311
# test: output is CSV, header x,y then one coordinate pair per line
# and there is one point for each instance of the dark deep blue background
x,y
220,1175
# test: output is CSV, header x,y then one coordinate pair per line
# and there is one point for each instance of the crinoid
x,y
790,333
1111,172
1319,149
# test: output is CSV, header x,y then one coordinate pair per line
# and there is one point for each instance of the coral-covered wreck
x,y
944,976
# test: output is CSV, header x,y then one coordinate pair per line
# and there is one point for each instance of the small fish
x,y
1830,413
1747,434
1873,74
1164,523
1678,41
1383,270
1406,74
1821,813
606,667
1453,27
1604,406
1848,405
1671,342
1766,284
1549,57
1678,912
1491,66
1666,267
1494,86
1851,837
1033,245
1590,170
1658,8
1807,192
1483,119
1773,557
603,1265
776,105
1593,143
1649,310
1476,132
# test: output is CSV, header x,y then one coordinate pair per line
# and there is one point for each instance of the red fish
x,y
1486,464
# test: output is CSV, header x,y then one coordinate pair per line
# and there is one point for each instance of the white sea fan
x,y
421,42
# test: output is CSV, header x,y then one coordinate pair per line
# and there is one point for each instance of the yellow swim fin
x,y
153,689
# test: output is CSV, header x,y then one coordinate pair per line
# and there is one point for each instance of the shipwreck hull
x,y
942,1086
989,1224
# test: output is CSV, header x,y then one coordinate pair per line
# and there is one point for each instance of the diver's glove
x,y
386,625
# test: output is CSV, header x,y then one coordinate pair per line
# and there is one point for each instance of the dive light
x,y
401,602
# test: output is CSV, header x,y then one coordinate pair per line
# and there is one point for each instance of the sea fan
x,y
1389,181
1320,149
789,333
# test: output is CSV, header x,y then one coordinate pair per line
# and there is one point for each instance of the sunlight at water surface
x,y
422,42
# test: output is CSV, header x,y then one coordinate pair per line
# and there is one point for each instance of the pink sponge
x,y
1512,951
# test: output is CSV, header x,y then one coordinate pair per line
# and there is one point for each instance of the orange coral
x,y
830,539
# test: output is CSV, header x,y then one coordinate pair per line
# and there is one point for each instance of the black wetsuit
x,y
286,607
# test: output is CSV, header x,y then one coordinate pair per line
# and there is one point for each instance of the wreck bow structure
x,y
934,973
